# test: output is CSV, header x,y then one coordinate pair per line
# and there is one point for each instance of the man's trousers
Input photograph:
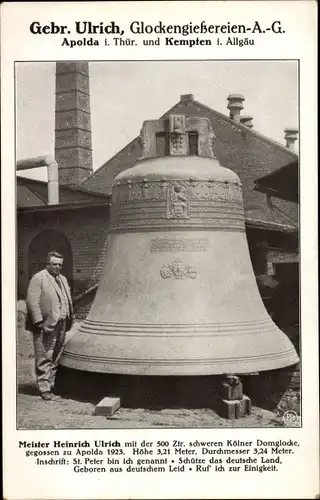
x,y
48,347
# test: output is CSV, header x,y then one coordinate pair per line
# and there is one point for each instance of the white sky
x,y
124,94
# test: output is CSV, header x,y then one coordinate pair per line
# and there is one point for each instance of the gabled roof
x,y
211,112
34,193
282,183
245,151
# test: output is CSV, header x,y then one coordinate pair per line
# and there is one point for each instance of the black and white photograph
x,y
159,251
158,244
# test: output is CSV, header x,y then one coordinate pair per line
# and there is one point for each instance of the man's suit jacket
x,y
43,302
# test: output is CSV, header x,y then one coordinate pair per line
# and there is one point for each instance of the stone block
x,y
67,101
107,407
228,409
237,408
21,320
73,118
247,405
73,99
72,67
21,314
83,102
72,80
231,392
75,164
240,408
73,137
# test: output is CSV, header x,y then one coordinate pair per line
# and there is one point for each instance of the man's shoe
x,y
54,393
54,397
47,396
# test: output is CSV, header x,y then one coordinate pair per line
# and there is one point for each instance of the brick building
x,y
284,184
78,225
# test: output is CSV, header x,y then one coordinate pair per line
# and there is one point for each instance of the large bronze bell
x,y
178,295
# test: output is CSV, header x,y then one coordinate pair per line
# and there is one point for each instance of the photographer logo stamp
x,y
291,418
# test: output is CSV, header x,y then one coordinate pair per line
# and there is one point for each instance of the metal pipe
x,y
85,293
53,178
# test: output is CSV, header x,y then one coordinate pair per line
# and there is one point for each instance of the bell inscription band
x,y
178,295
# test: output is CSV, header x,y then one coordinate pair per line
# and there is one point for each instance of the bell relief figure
x,y
177,202
177,128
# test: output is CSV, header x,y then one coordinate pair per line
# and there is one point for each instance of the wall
x,y
86,230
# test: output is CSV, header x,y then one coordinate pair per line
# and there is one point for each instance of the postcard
x,y
159,246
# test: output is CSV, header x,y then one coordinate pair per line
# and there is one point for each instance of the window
x,y
162,144
193,143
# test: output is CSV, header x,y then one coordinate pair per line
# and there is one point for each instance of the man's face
x,y
54,266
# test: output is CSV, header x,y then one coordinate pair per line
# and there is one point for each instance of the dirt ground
x,y
68,413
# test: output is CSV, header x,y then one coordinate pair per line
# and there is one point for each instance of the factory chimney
x,y
291,135
73,147
235,106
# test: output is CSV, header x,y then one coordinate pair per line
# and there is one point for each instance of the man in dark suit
x,y
51,315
